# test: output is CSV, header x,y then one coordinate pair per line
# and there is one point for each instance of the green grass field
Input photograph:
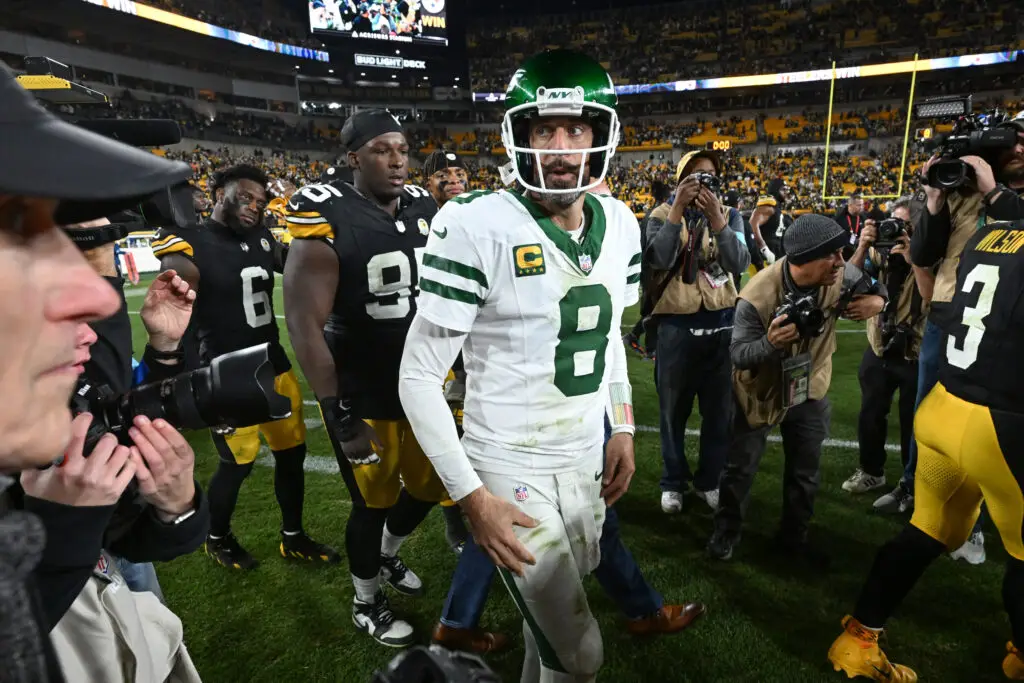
x,y
766,621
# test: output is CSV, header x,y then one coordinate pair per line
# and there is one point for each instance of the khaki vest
x,y
112,635
760,391
964,212
681,298
903,315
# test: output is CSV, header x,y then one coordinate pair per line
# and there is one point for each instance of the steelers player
x,y
445,175
970,440
350,283
230,260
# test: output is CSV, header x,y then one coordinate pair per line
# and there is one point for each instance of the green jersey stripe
x,y
452,293
635,260
455,268
632,279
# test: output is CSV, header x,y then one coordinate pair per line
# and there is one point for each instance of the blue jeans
x,y
140,577
618,574
933,343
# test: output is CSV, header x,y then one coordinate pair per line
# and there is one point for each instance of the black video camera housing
x,y
890,231
972,134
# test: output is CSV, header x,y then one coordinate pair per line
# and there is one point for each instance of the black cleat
x,y
227,551
301,547
721,545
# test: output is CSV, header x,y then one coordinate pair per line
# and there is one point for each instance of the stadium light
x,y
456,79
944,107
362,73
426,78
330,71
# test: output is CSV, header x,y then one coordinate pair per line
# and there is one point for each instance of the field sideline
x,y
765,622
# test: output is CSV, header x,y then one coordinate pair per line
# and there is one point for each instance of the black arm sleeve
x,y
1009,206
150,540
280,255
930,238
74,538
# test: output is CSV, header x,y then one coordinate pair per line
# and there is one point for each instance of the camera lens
x,y
947,174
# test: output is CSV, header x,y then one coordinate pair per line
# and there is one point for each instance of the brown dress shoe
x,y
669,619
474,640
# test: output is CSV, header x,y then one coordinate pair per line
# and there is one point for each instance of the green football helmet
x,y
559,83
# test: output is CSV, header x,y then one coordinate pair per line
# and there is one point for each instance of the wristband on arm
x,y
338,416
620,408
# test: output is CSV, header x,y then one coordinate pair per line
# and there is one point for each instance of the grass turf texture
x,y
766,621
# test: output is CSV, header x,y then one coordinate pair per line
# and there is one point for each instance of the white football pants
x,y
563,642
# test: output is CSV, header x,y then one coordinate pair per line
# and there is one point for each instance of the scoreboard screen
x,y
422,22
719,145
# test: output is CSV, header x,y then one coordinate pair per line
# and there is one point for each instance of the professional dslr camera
x,y
803,312
889,233
975,134
236,390
710,181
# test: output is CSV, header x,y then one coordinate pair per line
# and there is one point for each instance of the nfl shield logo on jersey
x,y
586,263
423,226
265,244
521,493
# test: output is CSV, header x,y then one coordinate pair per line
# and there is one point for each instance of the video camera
x,y
972,133
709,180
236,390
889,233
802,311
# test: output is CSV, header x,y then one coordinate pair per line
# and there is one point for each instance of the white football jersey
x,y
542,313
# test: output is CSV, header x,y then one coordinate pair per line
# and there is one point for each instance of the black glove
x,y
352,434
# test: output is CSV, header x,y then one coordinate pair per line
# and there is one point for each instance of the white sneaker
x,y
671,502
862,482
973,551
400,577
709,497
899,500
377,619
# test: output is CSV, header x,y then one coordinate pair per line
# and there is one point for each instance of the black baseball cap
x,y
92,175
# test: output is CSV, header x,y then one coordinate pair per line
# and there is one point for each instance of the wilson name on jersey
x,y
985,349
378,271
542,312
234,306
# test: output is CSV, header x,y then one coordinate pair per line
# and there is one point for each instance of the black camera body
x,y
802,311
710,181
236,389
972,134
890,231
896,340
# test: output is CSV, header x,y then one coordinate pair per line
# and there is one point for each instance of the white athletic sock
x,y
291,533
365,588
390,544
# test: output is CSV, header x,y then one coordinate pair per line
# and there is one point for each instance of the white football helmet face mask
x,y
558,102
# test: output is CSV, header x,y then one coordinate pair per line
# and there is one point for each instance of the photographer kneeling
x,y
696,251
783,339
894,339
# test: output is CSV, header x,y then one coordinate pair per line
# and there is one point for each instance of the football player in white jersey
x,y
530,284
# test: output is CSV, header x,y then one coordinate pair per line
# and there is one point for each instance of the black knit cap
x,y
812,237
439,160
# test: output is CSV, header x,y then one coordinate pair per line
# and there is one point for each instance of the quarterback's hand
x,y
769,257
982,172
492,519
79,481
864,306
164,466
362,445
166,310
619,467
781,335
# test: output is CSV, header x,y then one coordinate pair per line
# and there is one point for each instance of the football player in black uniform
x,y
351,281
970,440
445,175
769,223
230,260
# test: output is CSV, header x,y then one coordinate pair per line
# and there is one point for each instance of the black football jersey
x,y
234,306
378,275
984,354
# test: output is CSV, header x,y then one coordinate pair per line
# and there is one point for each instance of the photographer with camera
x,y
955,207
695,249
782,345
894,338
54,173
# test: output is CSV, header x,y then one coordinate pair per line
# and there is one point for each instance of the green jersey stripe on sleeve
x,y
455,268
632,279
635,260
447,292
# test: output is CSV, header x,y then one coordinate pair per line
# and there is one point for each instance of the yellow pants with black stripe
x,y
968,453
243,445
402,462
